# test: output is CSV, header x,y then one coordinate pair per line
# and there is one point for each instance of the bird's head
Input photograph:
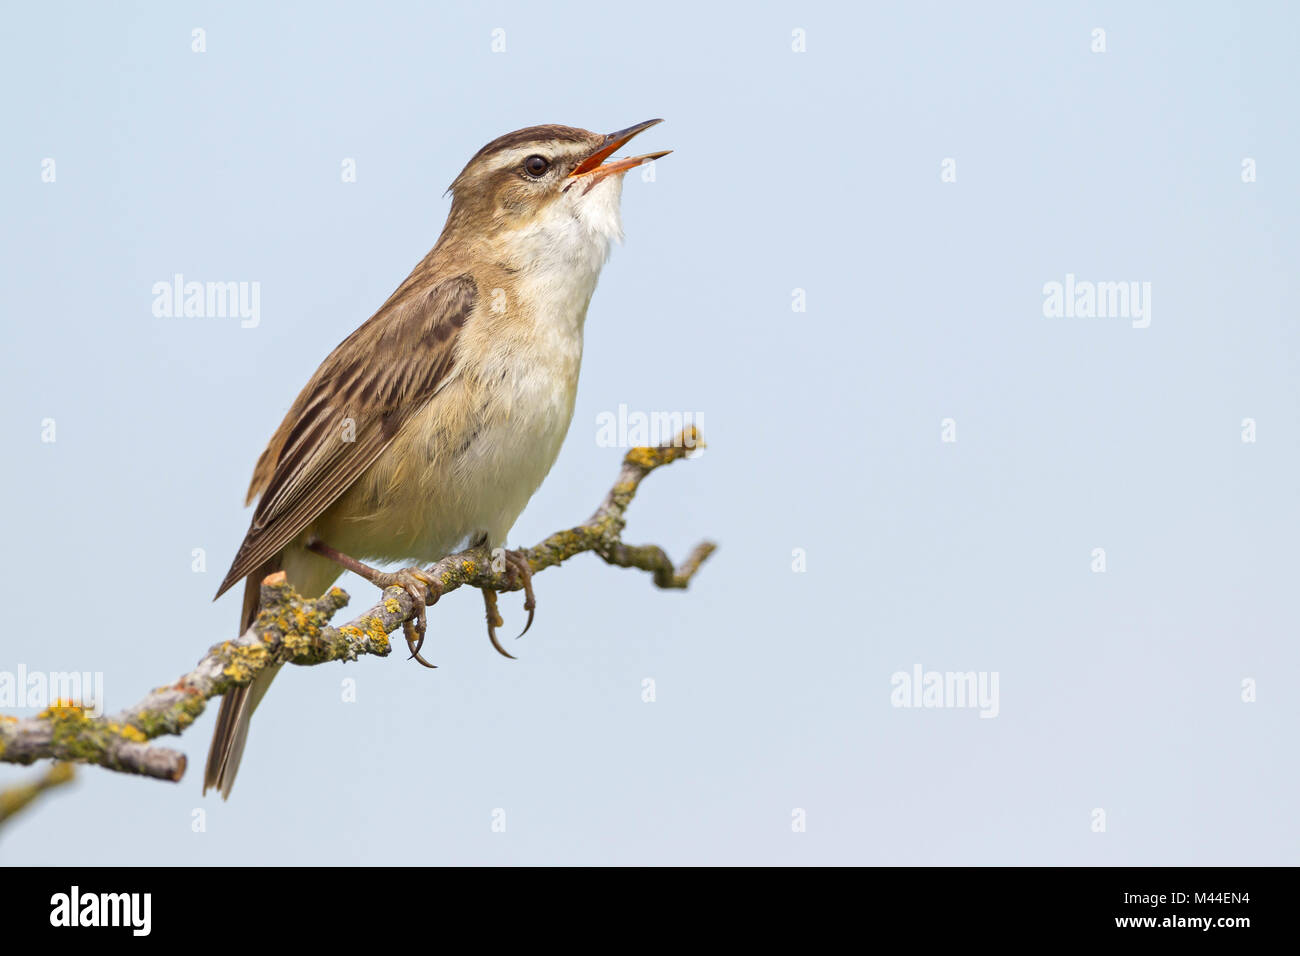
x,y
540,189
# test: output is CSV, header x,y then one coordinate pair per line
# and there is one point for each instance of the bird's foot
x,y
519,574
423,589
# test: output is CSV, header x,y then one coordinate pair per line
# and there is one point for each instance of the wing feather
x,y
378,378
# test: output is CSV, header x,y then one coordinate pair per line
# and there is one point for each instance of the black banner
x,y
1156,905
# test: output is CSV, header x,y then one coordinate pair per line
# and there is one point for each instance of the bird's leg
x,y
423,589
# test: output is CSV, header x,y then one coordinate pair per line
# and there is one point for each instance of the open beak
x,y
590,169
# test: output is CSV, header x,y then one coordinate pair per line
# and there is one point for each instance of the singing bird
x,y
434,422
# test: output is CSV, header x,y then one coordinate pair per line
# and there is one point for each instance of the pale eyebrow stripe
x,y
505,158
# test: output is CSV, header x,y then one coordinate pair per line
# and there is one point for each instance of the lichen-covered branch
x,y
292,630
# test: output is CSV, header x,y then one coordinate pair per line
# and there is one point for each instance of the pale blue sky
x,y
817,171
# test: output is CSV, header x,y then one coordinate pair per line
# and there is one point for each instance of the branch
x,y
292,630
16,798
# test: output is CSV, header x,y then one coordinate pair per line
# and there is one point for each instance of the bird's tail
x,y
238,704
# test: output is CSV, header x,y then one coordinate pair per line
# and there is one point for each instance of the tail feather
x,y
228,740
237,705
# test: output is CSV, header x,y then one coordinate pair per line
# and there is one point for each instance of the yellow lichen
x,y
62,708
378,635
244,662
127,731
646,458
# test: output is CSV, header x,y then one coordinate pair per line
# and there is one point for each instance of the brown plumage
x,y
351,410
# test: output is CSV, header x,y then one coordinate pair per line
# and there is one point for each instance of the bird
x,y
434,422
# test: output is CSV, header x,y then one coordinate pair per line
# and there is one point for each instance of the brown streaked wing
x,y
380,376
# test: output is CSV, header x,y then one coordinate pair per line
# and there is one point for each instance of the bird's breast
x,y
468,461
527,386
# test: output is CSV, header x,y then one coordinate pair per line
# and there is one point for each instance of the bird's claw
x,y
519,573
517,561
415,641
494,621
417,584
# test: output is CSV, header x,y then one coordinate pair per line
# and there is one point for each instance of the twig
x,y
16,798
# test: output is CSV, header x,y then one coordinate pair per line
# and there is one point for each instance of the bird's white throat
x,y
560,253
575,231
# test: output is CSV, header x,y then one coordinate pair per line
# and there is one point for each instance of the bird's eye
x,y
536,166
